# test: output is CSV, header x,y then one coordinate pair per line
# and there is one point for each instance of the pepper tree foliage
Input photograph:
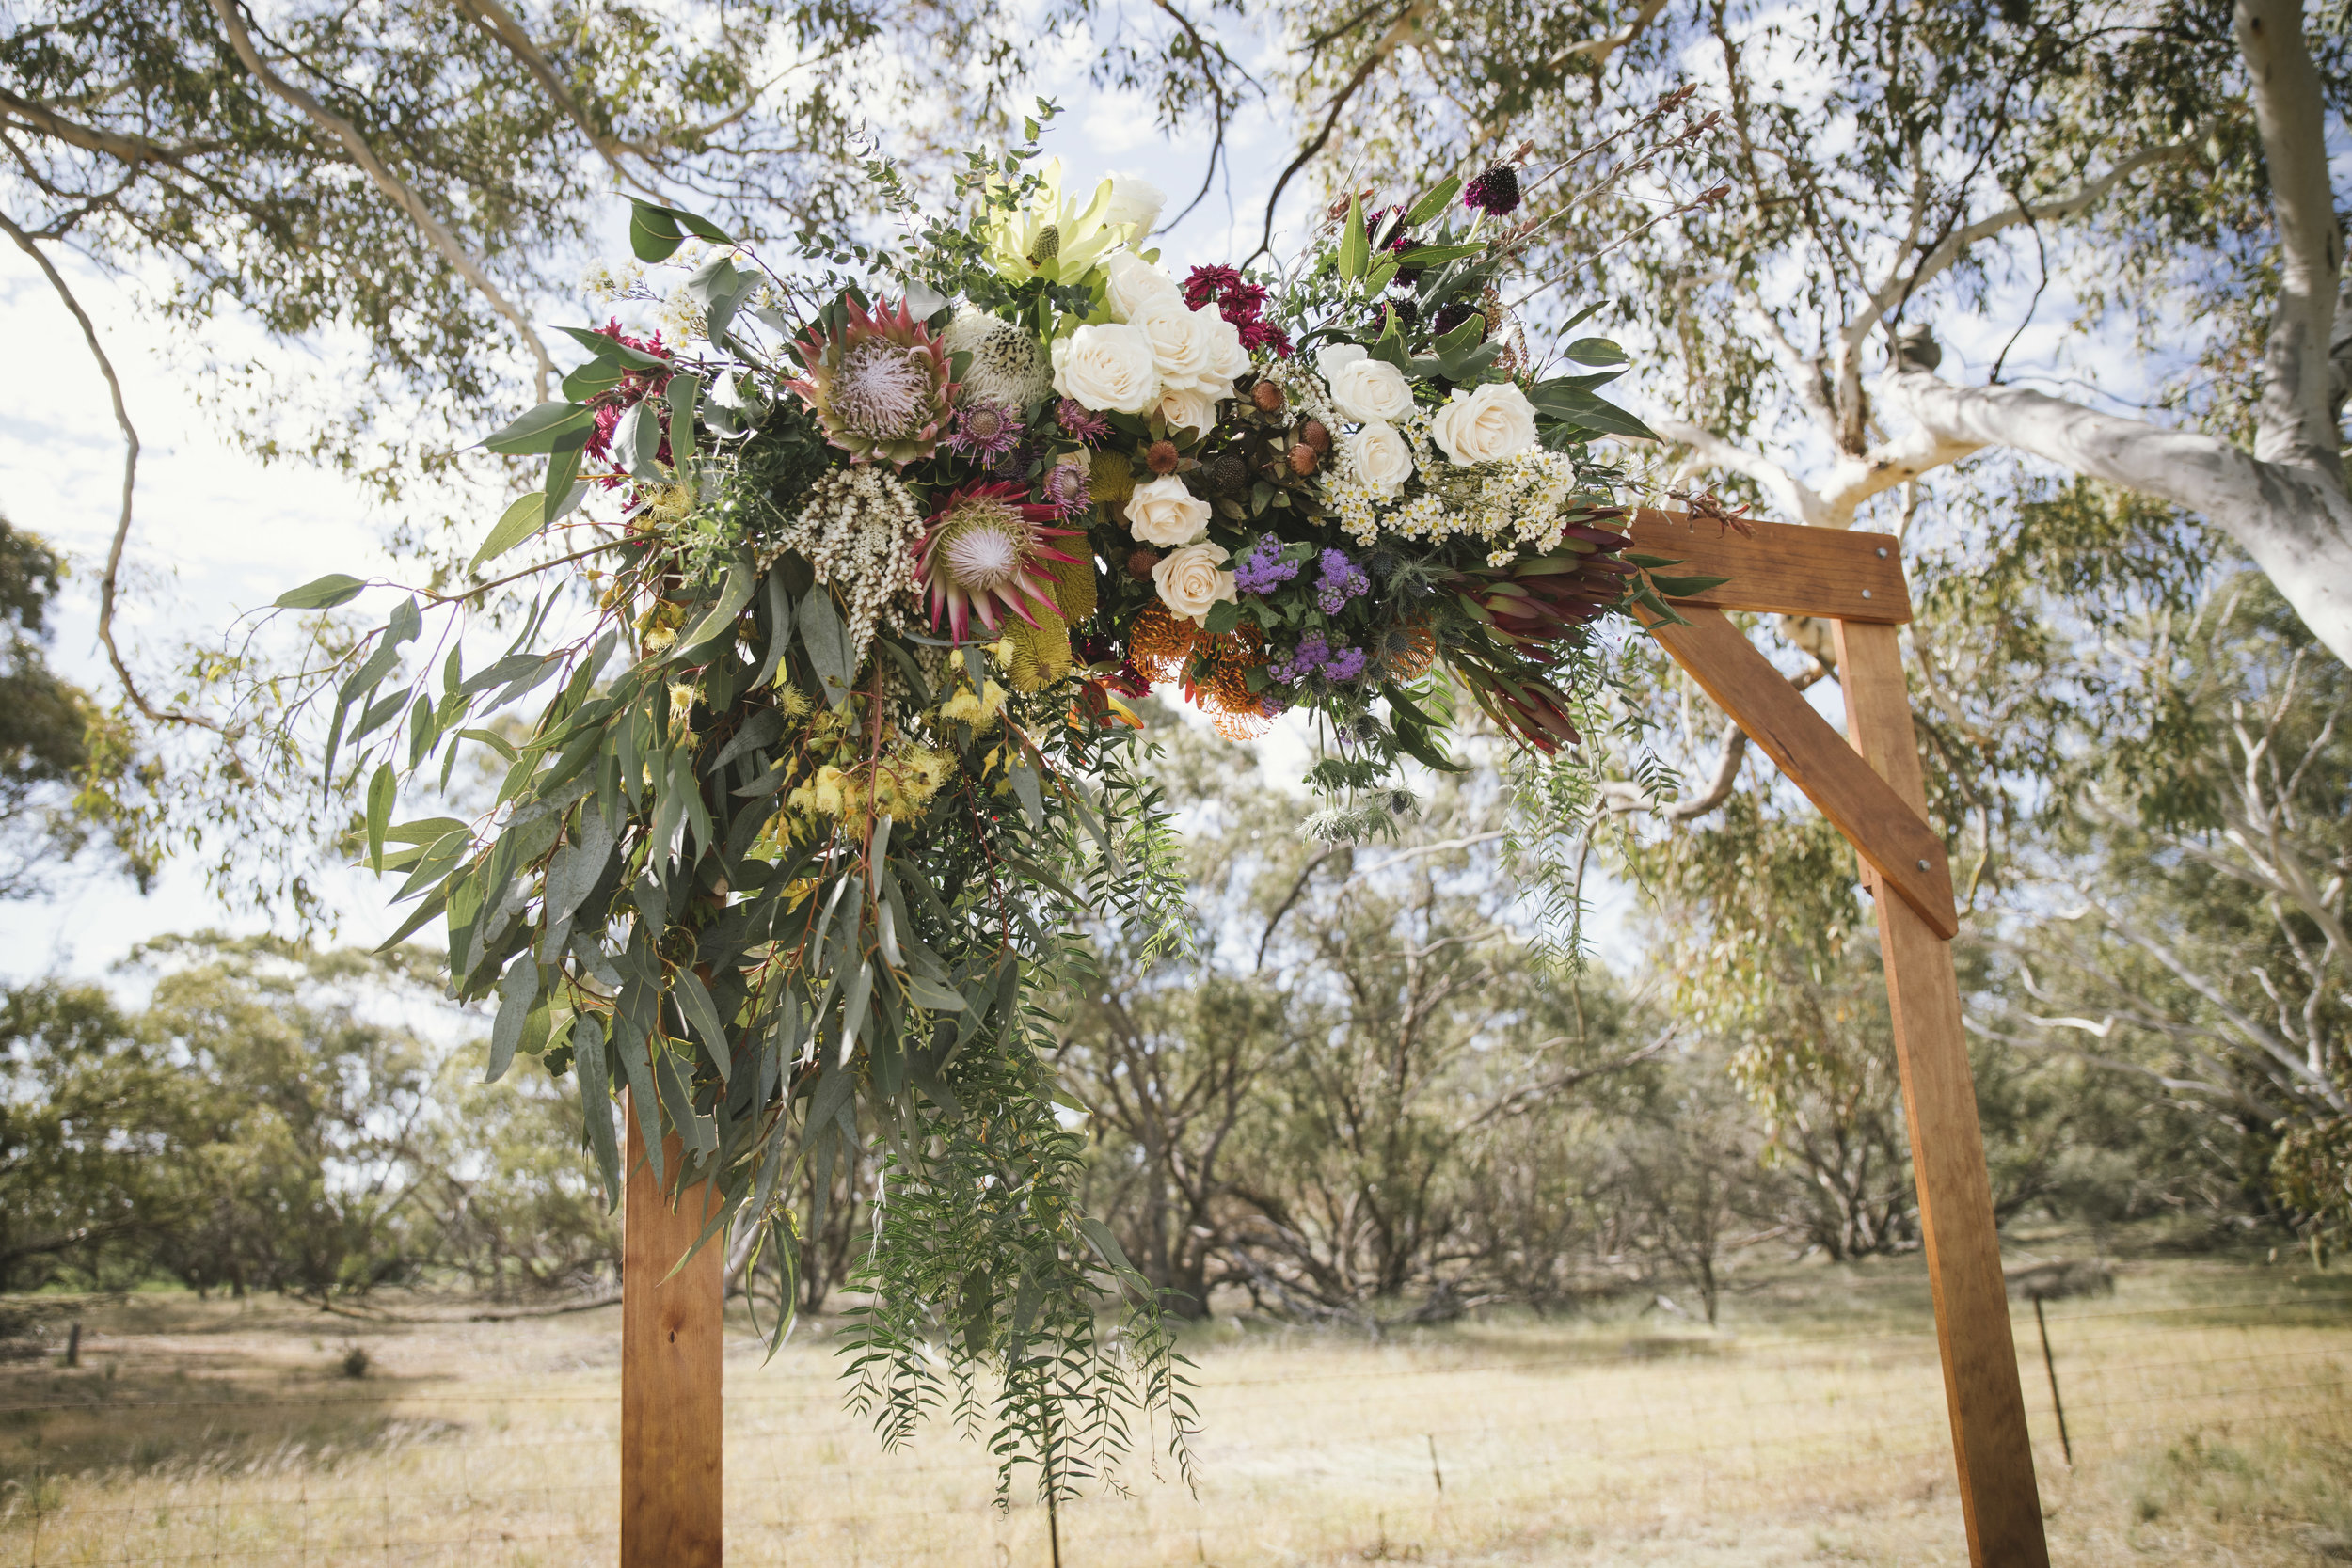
x,y
656,909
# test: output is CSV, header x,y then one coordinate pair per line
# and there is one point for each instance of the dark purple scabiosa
x,y
1451,316
1497,191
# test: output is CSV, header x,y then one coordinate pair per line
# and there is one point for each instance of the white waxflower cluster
x,y
858,528
1518,504
606,282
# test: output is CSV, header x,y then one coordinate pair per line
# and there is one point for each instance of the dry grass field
x,y
2206,1402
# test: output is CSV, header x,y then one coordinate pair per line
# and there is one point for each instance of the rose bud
x,y
1268,396
1315,436
1140,563
1304,458
1160,457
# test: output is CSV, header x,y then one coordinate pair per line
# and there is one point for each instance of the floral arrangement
x,y
845,589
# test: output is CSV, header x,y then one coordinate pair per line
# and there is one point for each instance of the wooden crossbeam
x,y
1782,568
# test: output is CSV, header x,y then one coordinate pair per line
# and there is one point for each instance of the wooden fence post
x,y
1997,1495
671,1342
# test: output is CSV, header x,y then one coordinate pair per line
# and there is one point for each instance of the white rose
x,y
1380,457
1107,368
1135,284
1163,513
1180,340
1228,360
1134,201
1486,425
1189,580
1188,408
1329,360
1367,389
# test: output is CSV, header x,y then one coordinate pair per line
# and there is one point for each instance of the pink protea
x,y
879,384
981,554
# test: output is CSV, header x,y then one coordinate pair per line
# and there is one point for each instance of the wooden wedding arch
x,y
1868,785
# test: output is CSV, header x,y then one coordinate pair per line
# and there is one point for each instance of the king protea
x,y
879,384
983,555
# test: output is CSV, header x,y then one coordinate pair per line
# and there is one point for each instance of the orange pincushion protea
x,y
1160,644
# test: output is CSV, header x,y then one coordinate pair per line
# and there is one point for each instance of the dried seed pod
x,y
1305,459
1227,473
1314,436
1160,457
1140,562
1268,395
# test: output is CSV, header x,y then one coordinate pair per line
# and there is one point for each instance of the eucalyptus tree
x,y
1906,172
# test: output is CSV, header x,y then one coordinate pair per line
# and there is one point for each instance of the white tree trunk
x,y
2297,524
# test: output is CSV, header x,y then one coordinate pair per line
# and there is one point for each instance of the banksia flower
x,y
878,384
987,554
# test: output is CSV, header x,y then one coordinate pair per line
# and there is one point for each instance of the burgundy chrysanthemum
x,y
1497,191
634,389
1203,284
1259,335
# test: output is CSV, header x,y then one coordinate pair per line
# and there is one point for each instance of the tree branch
x,y
130,479
2295,524
1600,49
1795,498
355,146
1390,41
2292,421
501,23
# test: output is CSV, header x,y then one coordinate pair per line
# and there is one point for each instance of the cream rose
x,y
1180,340
1189,580
1229,361
1163,513
1135,201
1380,457
1188,408
1107,368
1486,425
1366,389
1134,284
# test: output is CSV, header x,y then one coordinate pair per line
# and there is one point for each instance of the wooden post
x,y
671,1339
1997,1495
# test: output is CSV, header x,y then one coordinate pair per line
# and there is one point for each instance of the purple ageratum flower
x,y
1264,570
1342,580
1066,487
1314,655
1078,422
986,431
1311,655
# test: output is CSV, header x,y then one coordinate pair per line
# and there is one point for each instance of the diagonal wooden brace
x,y
1892,838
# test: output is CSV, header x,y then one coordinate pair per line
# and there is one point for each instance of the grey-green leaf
x,y
325,592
